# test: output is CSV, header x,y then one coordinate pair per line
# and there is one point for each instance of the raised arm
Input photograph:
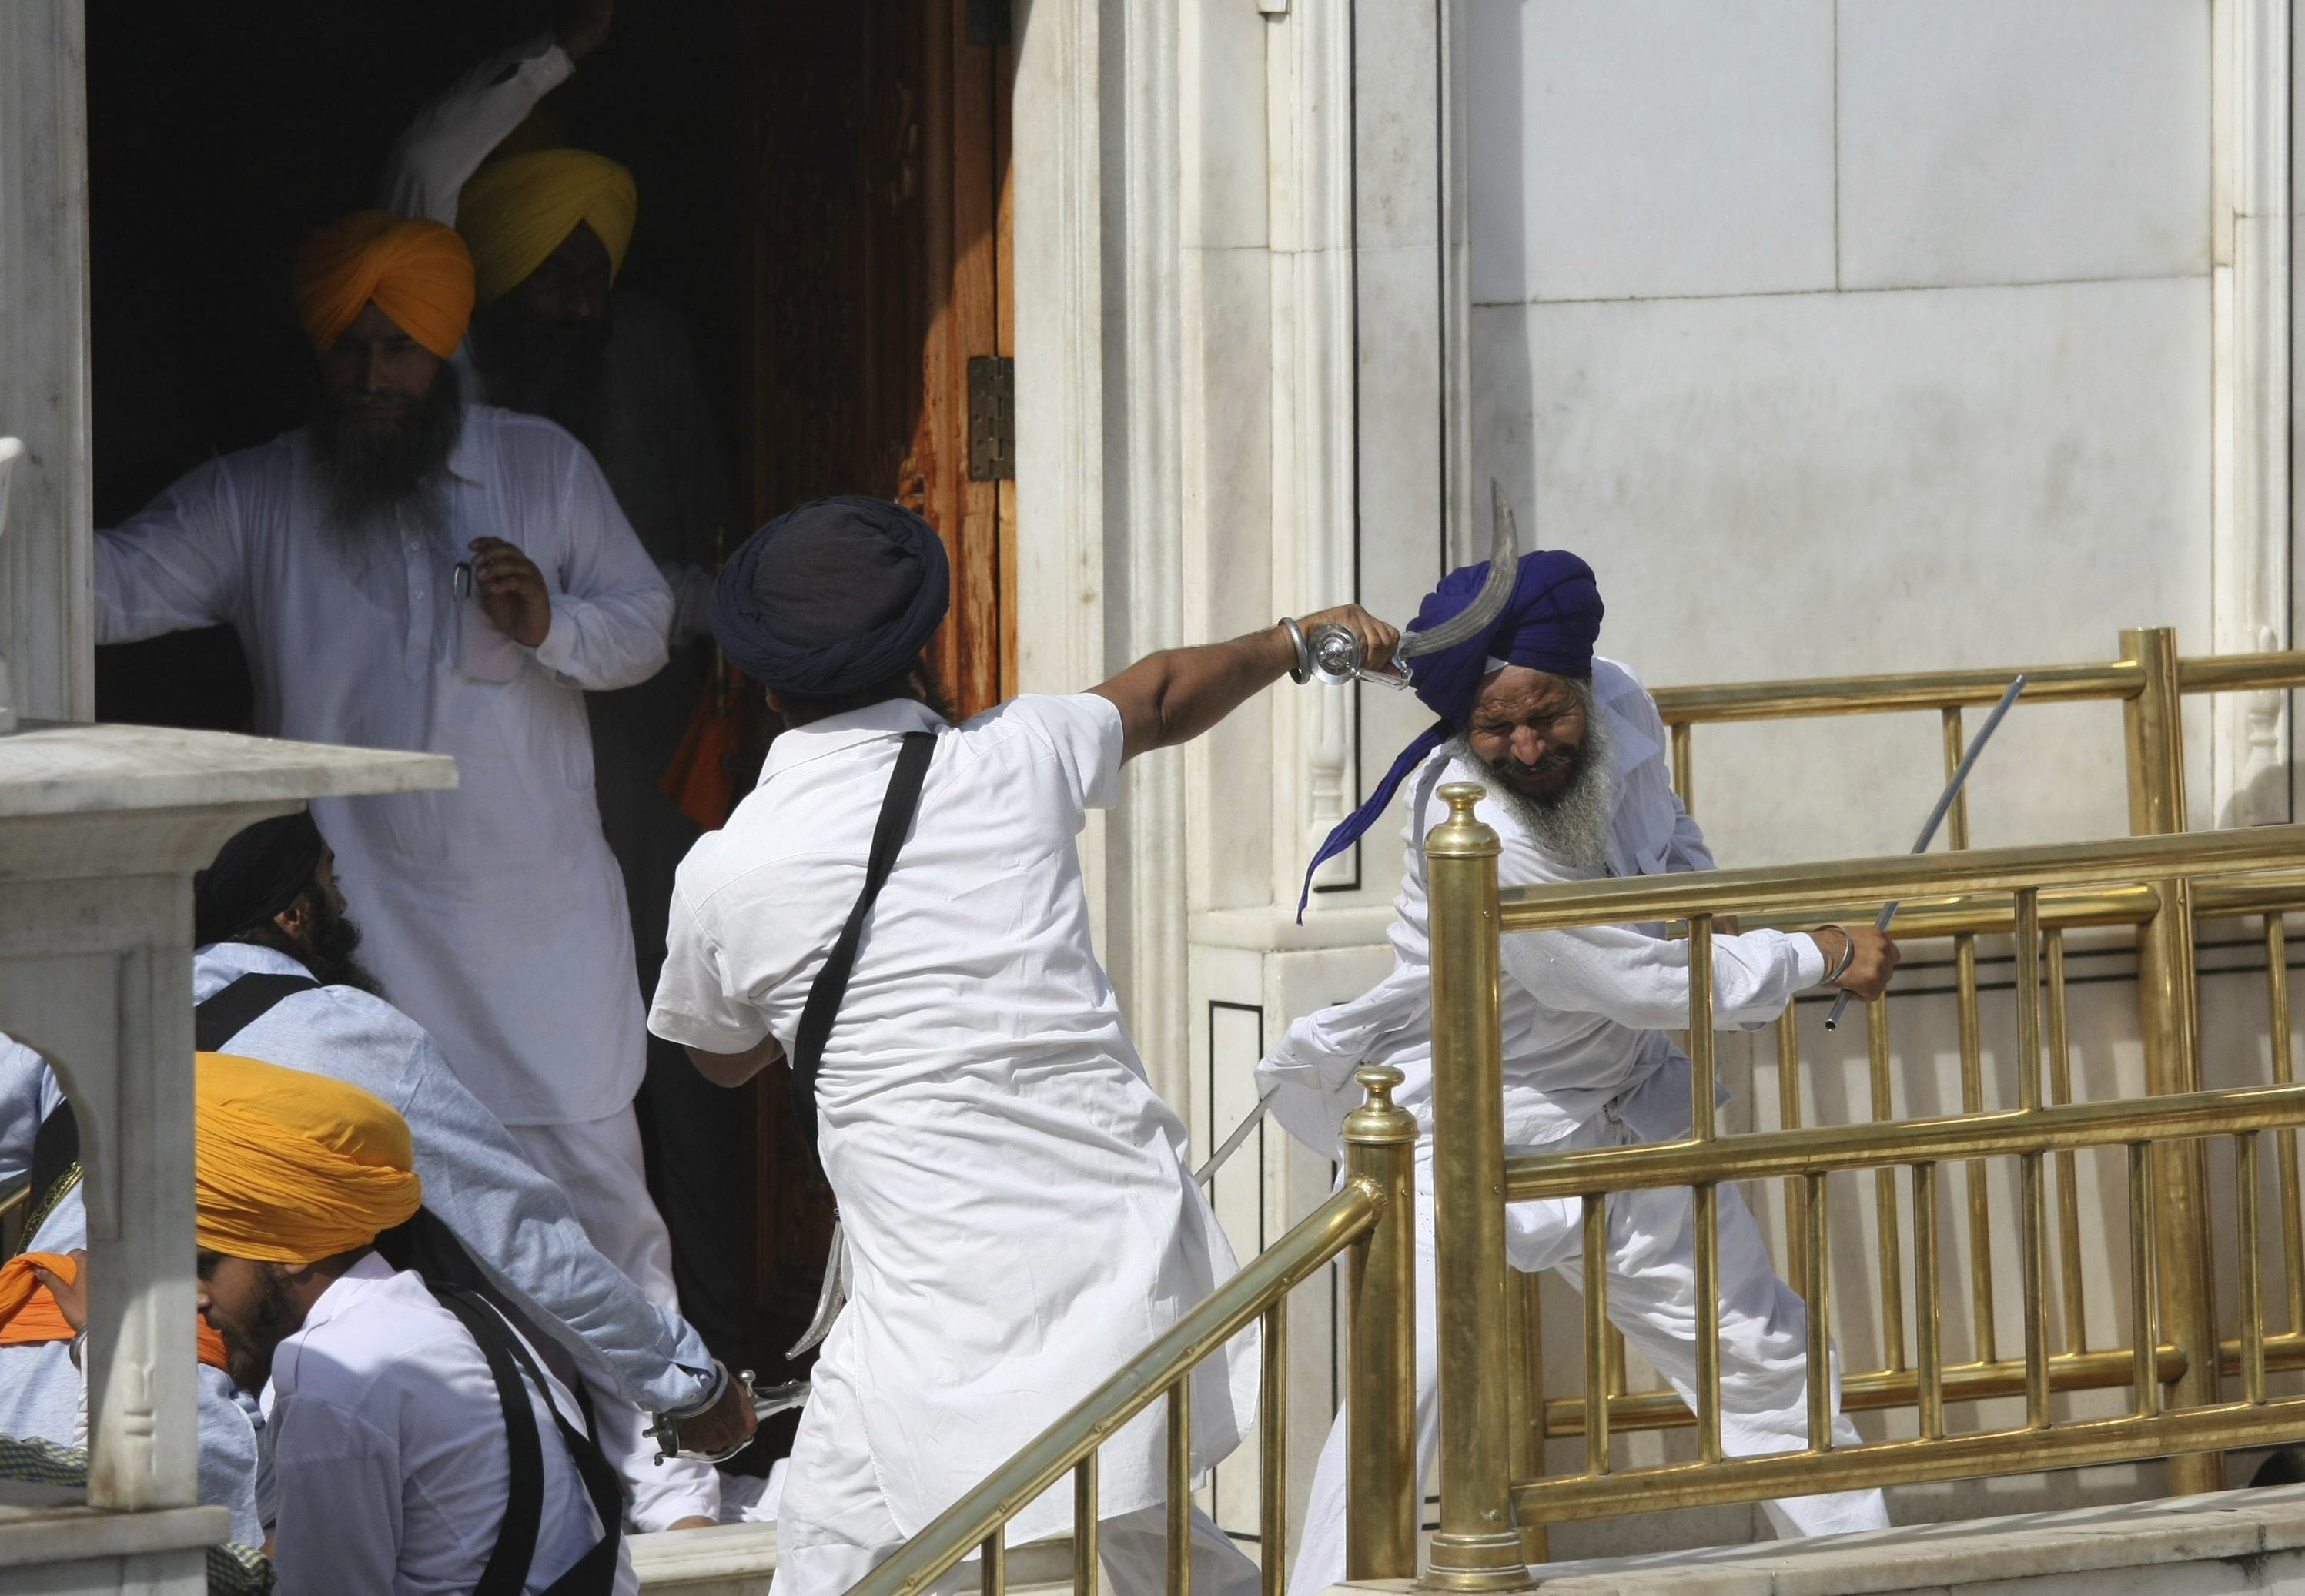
x,y
1175,695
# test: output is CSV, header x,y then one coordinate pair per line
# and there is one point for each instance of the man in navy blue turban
x,y
898,912
1572,753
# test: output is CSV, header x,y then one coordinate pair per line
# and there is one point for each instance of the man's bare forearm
x,y
734,1069
1175,695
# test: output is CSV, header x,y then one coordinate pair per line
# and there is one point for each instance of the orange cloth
x,y
291,1167
29,1311
417,272
697,779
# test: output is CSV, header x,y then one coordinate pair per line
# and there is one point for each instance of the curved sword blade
x,y
1489,603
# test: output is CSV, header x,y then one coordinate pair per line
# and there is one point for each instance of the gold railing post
x,y
1476,1546
2155,724
1381,1483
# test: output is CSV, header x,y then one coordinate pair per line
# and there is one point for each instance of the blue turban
x,y
832,597
1550,623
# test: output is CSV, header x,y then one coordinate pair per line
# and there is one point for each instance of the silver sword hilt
x,y
1336,658
767,1401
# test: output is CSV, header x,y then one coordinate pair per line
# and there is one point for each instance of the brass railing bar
x,y
1706,1203
1769,1155
1983,1330
2282,1352
1955,746
992,1575
1887,1237
2068,1209
1324,1234
1883,1391
1930,1385
1684,768
1800,699
2029,997
1789,1117
2144,1323
2084,1444
2267,891
1084,1548
1273,1465
1528,1416
1596,1334
1986,914
2252,1271
1767,888
2293,1214
1703,1076
1618,1383
2036,1290
1180,1489
2235,672
1817,1292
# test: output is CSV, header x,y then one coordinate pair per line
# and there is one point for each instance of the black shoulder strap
x,y
240,1005
897,811
595,1573
55,1149
507,1573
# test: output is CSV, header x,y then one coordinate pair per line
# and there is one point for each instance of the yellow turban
x,y
514,212
416,271
290,1168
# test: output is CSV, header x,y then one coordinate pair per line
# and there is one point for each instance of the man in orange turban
x,y
395,1468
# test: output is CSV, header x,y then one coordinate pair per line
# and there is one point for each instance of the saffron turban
x,y
832,597
516,211
1550,623
291,1167
417,272
257,875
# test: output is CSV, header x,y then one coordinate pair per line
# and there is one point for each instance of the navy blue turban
x,y
1550,623
832,597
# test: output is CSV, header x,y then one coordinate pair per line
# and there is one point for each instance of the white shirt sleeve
x,y
339,1481
696,1004
173,565
449,139
1688,849
1082,730
611,610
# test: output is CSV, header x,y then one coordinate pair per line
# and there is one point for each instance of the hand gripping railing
x,y
1488,1491
1372,1214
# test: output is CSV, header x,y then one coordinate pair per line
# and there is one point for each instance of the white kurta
x,y
388,1442
1019,1205
494,914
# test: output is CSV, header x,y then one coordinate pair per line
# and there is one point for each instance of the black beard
x,y
328,952
381,474
543,366
247,1348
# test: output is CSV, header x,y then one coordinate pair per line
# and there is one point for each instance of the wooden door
x,y
880,271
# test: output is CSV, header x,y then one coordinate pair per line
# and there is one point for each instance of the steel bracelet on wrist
x,y
1301,672
1848,956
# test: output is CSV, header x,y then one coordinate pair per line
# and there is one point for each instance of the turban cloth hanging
x,y
417,273
291,1167
256,875
514,212
832,597
29,1313
1550,623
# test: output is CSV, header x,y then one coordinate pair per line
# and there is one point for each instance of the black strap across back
x,y
824,998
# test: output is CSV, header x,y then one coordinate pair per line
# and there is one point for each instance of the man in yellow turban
x,y
405,1421
556,333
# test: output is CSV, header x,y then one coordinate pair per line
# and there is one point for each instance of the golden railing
x,y
1489,1489
1372,1216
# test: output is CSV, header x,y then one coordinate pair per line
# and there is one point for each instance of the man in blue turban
x,y
897,911
1572,751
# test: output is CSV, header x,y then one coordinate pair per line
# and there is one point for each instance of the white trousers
x,y
597,1162
1134,1548
1653,1299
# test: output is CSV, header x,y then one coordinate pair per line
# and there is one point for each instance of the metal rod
x,y
1529,1460
2293,1214
1789,1117
1703,1076
2144,1335
992,1578
1707,1213
1085,1549
2036,1290
1945,800
1818,1292
1381,1482
1272,1463
1887,1238
1180,1489
1985,1339
1930,1389
1596,1332
1684,768
1956,745
2252,1271
2069,1205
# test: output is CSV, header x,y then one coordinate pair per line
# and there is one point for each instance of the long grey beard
x,y
1573,826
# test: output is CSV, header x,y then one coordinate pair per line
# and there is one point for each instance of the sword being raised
x,y
1334,652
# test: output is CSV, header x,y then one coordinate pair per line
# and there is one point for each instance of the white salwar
x,y
1587,1063
1020,1210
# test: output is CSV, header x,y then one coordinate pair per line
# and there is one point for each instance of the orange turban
x,y
417,272
514,212
29,1313
290,1168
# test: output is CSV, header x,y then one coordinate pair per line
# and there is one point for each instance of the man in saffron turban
x,y
413,571
407,1422
556,334
1571,750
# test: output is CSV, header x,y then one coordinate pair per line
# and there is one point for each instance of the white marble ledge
x,y
2028,1552
62,767
739,1559
42,1534
1273,927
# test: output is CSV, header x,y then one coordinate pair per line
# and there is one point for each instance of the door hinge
x,y
989,24
991,418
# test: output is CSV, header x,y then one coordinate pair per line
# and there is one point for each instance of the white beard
x,y
1573,826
